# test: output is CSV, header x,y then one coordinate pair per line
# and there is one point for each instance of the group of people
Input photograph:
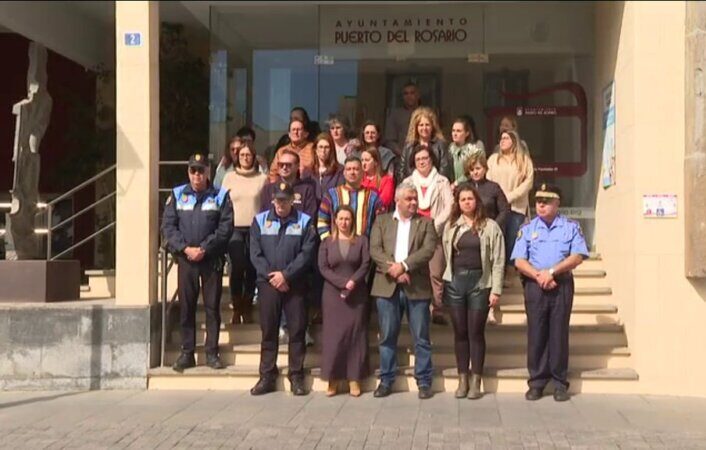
x,y
344,226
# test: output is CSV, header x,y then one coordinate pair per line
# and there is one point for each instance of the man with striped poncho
x,y
365,203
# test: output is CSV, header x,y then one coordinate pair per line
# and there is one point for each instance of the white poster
x,y
659,205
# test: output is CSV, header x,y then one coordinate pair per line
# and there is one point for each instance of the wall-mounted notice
x,y
659,205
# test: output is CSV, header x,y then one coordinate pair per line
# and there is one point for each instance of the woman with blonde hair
x,y
511,167
509,123
424,131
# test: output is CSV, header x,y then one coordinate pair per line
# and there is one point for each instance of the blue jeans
x,y
513,223
390,312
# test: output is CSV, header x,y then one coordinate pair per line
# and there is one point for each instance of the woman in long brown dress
x,y
344,261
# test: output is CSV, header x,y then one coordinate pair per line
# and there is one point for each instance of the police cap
x,y
284,191
548,192
198,160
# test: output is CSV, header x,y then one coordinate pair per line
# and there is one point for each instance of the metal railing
x,y
50,208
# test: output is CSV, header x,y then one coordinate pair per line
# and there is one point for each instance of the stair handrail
x,y
50,208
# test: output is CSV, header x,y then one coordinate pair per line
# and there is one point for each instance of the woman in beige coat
x,y
474,253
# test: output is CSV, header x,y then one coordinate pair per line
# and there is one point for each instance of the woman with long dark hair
x,y
327,172
474,251
370,136
374,179
464,144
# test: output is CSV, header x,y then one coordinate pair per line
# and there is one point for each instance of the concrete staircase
x,y
100,286
600,360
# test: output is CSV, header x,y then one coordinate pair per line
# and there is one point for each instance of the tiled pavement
x,y
162,419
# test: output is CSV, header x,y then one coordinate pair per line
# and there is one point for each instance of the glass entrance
x,y
533,61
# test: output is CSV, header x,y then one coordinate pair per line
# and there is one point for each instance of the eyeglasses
x,y
195,170
285,165
421,158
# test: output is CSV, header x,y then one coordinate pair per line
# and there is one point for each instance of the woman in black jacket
x,y
494,200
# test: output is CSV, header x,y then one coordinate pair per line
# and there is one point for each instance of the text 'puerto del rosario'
x,y
420,30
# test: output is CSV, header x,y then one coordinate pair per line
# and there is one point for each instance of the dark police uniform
x,y
198,219
548,312
288,245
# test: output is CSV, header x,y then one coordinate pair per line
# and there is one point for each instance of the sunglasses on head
x,y
195,170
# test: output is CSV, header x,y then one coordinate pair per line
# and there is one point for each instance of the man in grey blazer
x,y
401,245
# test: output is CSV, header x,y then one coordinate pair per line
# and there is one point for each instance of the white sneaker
x,y
283,336
308,340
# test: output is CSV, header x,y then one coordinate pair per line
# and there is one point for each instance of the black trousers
x,y
242,272
548,314
272,303
210,275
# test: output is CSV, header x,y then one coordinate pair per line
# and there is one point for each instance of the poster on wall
x,y
659,205
608,167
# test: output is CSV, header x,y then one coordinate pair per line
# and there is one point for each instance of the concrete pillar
x,y
695,151
137,116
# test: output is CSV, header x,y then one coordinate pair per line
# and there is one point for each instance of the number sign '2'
x,y
133,39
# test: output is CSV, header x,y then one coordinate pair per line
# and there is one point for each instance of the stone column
x,y
695,151
137,116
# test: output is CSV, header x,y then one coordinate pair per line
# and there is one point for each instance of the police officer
x,y
546,251
283,242
197,224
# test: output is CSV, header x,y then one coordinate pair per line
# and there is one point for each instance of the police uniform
x,y
198,219
286,244
548,311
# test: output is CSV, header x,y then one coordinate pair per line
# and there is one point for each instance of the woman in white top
x,y
435,202
511,167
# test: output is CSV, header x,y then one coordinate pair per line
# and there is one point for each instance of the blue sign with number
x,y
133,39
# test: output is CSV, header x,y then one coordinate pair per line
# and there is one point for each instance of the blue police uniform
x,y
548,312
286,244
198,219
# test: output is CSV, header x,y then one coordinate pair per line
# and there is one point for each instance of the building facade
x,y
605,94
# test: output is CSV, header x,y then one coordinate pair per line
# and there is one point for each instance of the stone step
x,y
580,314
101,284
582,357
506,380
610,334
598,295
